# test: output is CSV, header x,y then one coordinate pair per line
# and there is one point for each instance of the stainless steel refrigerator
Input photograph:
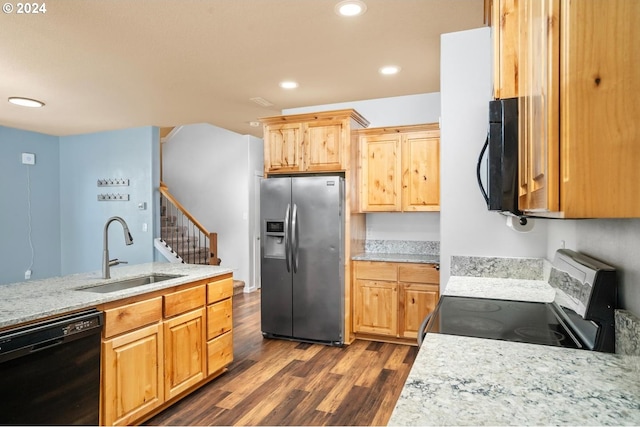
x,y
302,258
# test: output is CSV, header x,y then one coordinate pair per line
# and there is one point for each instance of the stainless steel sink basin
x,y
130,283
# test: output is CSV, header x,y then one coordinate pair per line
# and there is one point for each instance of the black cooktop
x,y
520,321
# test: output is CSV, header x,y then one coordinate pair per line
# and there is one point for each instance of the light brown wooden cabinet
x,y
392,299
132,384
505,34
132,359
306,143
219,325
159,346
579,127
184,338
399,169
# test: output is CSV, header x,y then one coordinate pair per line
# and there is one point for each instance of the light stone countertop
x,y
37,299
395,257
506,289
473,381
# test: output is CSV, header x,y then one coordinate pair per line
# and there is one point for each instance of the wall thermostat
x,y
28,159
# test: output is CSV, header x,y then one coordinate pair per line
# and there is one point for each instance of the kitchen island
x,y
176,332
459,380
23,302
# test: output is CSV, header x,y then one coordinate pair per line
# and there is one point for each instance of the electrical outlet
x,y
27,275
28,159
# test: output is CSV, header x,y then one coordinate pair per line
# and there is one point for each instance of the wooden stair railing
x,y
184,234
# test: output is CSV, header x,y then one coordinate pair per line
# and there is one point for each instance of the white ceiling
x,y
113,64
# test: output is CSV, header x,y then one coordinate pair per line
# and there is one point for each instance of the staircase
x,y
184,239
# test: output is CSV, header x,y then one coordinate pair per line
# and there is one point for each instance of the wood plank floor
x,y
279,382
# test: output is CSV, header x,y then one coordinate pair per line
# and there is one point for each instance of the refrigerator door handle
x,y
287,246
294,238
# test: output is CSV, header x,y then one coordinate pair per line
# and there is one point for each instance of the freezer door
x,y
276,275
317,239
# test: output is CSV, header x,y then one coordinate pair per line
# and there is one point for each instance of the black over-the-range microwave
x,y
498,175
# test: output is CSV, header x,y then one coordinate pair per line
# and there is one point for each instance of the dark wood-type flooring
x,y
279,382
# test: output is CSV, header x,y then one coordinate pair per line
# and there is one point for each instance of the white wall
x,y
210,171
466,227
394,111
614,241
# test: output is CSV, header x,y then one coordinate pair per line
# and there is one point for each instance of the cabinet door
x,y
380,173
185,362
420,172
219,352
539,140
132,375
416,302
600,107
324,145
283,148
376,307
505,32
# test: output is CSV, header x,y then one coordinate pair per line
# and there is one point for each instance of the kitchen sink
x,y
130,283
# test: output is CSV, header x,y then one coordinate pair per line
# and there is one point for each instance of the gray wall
x,y
466,227
20,184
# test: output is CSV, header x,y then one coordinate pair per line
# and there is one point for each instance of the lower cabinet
x,y
392,299
185,362
133,384
158,347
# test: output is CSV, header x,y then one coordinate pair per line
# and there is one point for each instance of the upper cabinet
x,y
307,143
504,29
576,79
399,168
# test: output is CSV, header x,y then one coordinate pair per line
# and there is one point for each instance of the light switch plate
x,y
28,159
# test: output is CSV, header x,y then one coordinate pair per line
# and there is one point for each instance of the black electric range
x,y
581,316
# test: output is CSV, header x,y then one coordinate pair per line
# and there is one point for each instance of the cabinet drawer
x,y
183,301
132,316
419,273
219,352
219,318
219,289
375,270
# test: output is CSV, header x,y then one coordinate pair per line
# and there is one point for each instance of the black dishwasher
x,y
50,371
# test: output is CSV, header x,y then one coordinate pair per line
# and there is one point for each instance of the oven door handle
x,y
421,332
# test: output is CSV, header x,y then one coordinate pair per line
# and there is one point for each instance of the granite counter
x,y
459,380
392,257
38,299
473,381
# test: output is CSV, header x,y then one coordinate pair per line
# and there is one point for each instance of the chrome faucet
x,y
106,263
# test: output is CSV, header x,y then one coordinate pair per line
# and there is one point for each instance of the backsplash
x,y
627,333
499,267
402,247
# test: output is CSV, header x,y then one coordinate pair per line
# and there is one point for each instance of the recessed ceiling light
x,y
350,8
25,102
389,70
288,84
